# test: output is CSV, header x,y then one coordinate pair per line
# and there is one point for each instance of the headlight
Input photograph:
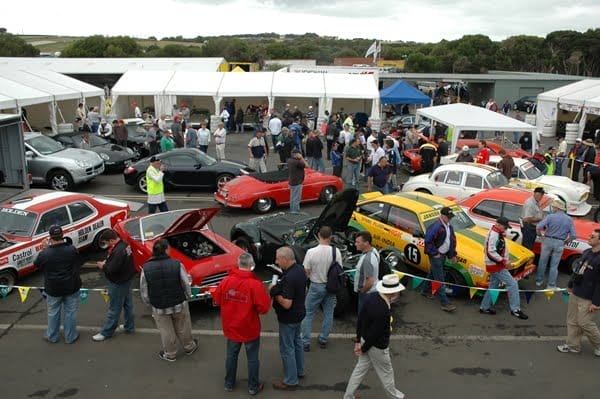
x,y
104,156
83,164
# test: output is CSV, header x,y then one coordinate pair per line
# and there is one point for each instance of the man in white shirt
x,y
219,136
162,123
203,137
275,129
137,112
377,153
225,116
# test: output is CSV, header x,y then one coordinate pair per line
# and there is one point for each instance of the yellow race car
x,y
398,223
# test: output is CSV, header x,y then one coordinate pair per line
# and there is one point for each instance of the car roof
x,y
41,202
504,194
467,166
413,200
30,135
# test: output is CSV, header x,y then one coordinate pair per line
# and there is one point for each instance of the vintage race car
x,y
526,175
264,191
459,180
484,208
398,223
25,221
206,256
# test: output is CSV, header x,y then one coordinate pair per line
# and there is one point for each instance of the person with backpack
x,y
317,262
367,268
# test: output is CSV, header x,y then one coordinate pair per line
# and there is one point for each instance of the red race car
x,y
25,221
206,256
264,191
411,159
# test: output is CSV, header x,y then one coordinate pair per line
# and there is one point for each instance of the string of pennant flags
x,y
205,292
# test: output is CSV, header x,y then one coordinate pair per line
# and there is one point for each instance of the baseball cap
x,y
539,190
465,148
55,232
503,221
578,140
154,158
446,211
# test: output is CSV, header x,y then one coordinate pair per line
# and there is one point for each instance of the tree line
x,y
565,52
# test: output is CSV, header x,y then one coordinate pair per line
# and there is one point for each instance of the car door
x,y
57,216
453,185
473,184
512,212
408,236
181,170
82,216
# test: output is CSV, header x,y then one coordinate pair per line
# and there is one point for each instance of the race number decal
x,y
412,254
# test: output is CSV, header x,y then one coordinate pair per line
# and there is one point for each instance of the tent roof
x,y
298,85
188,83
556,94
350,86
581,96
86,89
254,84
24,95
469,117
57,90
142,83
401,92
7,102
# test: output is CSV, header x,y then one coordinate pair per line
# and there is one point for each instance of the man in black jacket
x,y
164,284
118,269
373,338
60,262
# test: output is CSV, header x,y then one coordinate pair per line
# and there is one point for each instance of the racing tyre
x,y
454,277
60,180
263,205
8,279
142,185
222,179
327,194
98,244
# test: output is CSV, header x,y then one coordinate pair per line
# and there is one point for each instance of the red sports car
x,y
264,191
411,160
25,221
206,256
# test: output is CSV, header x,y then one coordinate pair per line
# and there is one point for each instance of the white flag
x,y
372,49
379,49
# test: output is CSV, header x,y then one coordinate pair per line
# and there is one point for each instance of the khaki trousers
x,y
580,322
175,326
220,151
380,360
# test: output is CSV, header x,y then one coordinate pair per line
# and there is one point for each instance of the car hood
x,y
77,155
470,243
191,221
574,189
113,151
337,212
417,181
232,164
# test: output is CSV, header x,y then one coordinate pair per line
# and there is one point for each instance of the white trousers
x,y
220,149
380,360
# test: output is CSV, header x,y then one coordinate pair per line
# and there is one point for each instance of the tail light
x,y
129,170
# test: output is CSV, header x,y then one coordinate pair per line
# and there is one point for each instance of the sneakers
x,y
260,387
194,349
99,337
121,329
489,311
307,348
564,348
227,389
539,283
427,295
597,352
448,307
519,314
322,345
164,356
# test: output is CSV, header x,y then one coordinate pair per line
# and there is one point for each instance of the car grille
x,y
94,170
215,279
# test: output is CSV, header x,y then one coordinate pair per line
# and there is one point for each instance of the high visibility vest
x,y
550,165
153,187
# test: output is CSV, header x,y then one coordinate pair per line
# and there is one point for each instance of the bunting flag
x,y
43,293
83,295
528,295
195,291
23,292
472,292
399,274
416,282
104,293
565,296
494,295
435,286
549,294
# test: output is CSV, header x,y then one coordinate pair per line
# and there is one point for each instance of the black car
x,y
187,168
115,157
527,104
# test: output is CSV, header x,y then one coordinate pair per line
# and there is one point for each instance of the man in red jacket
x,y
242,297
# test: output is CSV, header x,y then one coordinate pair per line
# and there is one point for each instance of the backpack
x,y
336,278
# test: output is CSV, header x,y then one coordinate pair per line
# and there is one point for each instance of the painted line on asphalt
x,y
169,198
265,334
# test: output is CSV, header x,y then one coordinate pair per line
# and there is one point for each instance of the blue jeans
x,y
233,350
353,175
295,197
318,164
317,295
510,284
292,352
119,298
436,272
55,304
558,167
362,296
529,236
552,249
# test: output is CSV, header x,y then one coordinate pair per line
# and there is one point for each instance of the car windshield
x,y
45,145
136,131
530,171
95,140
460,221
148,227
17,222
496,179
206,159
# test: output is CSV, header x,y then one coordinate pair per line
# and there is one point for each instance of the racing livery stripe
x,y
422,199
40,199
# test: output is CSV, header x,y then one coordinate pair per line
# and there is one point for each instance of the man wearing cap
x,y
440,243
155,186
61,263
555,230
496,261
464,155
373,331
257,151
531,214
296,165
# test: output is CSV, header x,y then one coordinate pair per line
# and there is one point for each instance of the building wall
x,y
515,89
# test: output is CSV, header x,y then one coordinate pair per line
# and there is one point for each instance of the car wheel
x,y
568,265
263,205
142,185
8,279
423,190
60,180
454,277
98,244
222,179
327,194
137,153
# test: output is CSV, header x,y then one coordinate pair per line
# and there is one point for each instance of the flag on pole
x,y
372,49
379,49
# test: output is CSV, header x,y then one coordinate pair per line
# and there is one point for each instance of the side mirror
x,y
29,154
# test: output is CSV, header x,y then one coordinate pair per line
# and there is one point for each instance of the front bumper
x,y
83,175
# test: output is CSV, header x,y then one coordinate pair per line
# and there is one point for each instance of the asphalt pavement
x,y
463,354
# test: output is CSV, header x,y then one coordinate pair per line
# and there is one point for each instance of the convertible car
x,y
398,223
485,207
264,191
25,221
206,256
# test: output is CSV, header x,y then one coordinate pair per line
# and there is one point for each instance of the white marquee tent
x,y
463,117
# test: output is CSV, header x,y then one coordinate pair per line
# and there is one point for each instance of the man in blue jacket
x,y
440,243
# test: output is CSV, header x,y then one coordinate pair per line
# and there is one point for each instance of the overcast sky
x,y
417,20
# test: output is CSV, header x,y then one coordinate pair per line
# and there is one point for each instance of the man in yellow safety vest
x,y
155,186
